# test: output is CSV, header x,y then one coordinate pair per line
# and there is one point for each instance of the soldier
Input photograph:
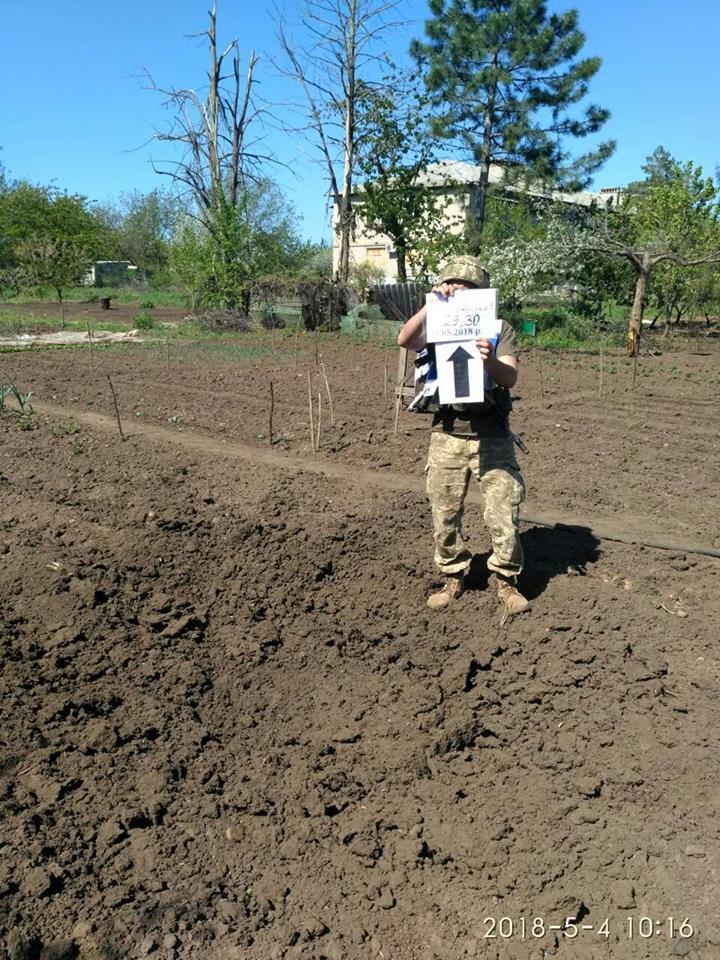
x,y
474,439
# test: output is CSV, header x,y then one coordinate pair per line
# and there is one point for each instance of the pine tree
x,y
502,76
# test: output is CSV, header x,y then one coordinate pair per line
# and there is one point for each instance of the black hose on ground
x,y
657,544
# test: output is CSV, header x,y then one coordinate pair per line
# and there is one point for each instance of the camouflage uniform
x,y
491,460
471,440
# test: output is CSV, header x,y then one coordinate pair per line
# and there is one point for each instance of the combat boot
x,y
451,590
509,595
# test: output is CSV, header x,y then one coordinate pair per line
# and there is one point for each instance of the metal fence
x,y
398,301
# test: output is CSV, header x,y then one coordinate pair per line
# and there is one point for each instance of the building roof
x,y
448,172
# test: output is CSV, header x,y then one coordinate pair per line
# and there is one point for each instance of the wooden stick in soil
x,y
600,385
297,334
559,376
90,341
317,441
385,383
272,410
635,369
312,422
542,381
327,387
117,409
167,351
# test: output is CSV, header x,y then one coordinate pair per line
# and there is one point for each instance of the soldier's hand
x,y
485,348
448,288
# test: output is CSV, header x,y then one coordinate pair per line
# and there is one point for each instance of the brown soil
x,y
231,728
77,310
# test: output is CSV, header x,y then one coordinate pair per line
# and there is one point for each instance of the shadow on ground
x,y
549,552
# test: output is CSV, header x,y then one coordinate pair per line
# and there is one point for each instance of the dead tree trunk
x,y
341,40
218,156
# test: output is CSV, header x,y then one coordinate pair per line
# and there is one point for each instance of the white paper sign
x,y
460,372
467,315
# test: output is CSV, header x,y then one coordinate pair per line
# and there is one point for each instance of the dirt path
x,y
626,528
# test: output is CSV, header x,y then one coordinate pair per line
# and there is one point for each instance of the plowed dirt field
x,y
232,729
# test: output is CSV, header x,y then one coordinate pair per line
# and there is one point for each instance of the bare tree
x,y
219,150
332,69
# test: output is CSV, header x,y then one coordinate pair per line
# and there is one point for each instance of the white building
x,y
454,181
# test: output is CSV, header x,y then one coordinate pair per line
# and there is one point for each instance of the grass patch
x,y
160,298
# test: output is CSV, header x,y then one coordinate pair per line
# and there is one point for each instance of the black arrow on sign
x,y
460,360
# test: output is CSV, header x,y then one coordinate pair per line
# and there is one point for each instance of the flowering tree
x,y
520,266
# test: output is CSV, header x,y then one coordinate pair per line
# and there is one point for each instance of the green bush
x,y
548,318
146,304
143,321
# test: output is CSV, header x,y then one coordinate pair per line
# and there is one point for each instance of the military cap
x,y
466,268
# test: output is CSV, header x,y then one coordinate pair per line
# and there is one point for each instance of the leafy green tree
x,y
315,260
257,236
58,263
660,167
28,211
394,151
48,238
143,226
674,220
706,291
503,77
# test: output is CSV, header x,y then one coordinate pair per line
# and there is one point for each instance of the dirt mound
x,y
231,729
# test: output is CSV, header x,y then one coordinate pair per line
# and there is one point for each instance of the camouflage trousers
x,y
491,460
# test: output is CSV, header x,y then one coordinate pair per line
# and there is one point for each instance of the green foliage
x,y
363,275
55,263
47,238
36,215
147,304
600,281
677,211
548,318
314,261
257,237
659,167
395,148
519,219
667,232
66,429
22,399
142,227
144,321
503,76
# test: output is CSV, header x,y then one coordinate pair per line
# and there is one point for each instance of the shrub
x,y
548,318
146,304
143,321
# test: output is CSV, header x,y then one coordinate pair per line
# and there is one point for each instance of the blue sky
x,y
73,111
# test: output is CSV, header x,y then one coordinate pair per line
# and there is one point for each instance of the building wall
x,y
453,182
369,246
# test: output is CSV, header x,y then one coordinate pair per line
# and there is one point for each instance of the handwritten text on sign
x,y
467,315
